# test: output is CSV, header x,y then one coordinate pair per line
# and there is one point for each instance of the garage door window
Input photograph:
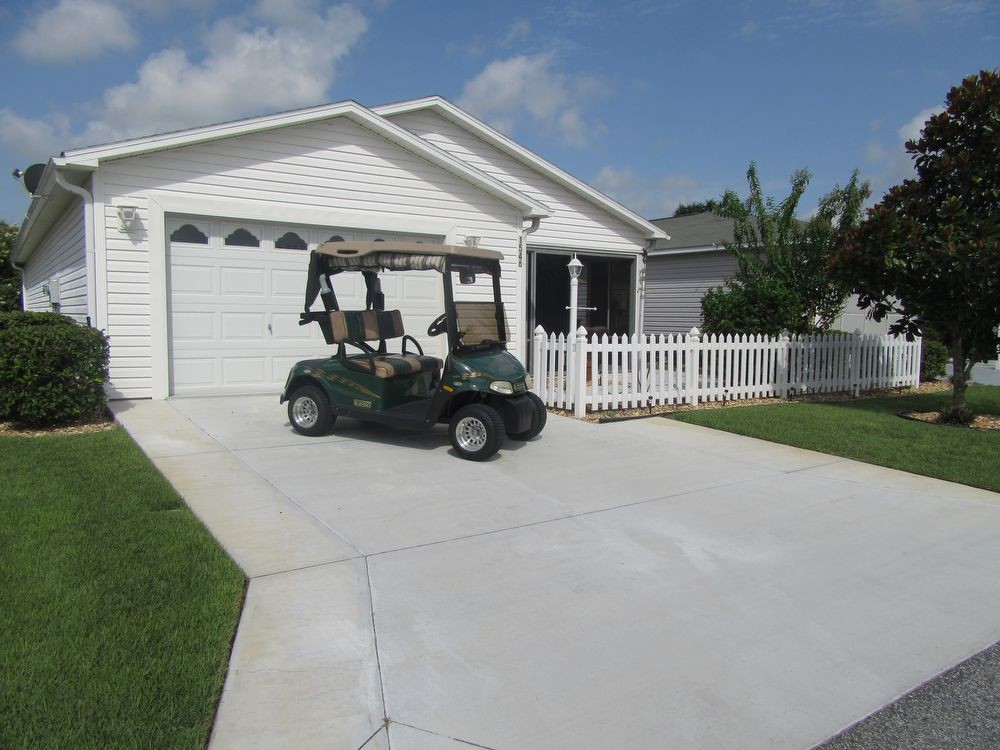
x,y
242,237
189,233
290,241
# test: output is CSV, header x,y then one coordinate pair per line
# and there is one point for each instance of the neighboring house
x,y
190,248
679,271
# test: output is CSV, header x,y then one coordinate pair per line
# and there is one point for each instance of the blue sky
x,y
654,103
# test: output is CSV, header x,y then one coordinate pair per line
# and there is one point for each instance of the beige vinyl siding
x,y
675,285
335,166
61,255
576,222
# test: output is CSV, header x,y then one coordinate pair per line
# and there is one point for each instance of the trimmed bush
x,y
52,369
934,356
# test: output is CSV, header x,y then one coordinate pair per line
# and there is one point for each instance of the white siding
x,y
576,222
61,255
335,166
675,285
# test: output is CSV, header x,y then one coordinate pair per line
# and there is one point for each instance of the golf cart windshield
x,y
468,272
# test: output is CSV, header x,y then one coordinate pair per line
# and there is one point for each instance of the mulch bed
x,y
95,425
652,411
981,422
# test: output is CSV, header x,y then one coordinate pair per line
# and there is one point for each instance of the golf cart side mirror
x,y
466,277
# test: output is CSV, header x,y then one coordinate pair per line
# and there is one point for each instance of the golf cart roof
x,y
359,249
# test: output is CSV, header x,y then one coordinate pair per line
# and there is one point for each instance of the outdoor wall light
x,y
575,268
128,218
472,240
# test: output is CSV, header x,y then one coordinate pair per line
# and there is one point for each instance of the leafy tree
x,y
10,279
781,280
930,250
700,207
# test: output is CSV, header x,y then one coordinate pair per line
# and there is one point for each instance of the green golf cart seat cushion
x,y
366,325
393,365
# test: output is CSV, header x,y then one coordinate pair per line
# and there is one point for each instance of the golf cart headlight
x,y
529,382
502,386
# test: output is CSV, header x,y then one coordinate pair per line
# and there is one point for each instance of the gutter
x,y
523,244
88,241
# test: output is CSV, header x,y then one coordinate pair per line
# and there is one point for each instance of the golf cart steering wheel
x,y
438,326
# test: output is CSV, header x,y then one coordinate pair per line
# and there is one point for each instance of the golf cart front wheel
x,y
309,411
476,432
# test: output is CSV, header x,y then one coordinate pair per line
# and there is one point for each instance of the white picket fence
x,y
621,372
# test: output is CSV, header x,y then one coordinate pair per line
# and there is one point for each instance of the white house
x,y
189,248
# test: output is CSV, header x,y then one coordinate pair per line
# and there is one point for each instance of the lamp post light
x,y
575,268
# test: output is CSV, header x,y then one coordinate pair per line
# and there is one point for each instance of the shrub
x,y
52,369
22,319
961,415
934,357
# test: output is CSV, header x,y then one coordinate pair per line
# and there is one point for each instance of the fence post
x,y
918,355
579,365
537,363
856,362
784,359
692,359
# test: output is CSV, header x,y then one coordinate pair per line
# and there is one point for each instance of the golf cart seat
x,y
358,328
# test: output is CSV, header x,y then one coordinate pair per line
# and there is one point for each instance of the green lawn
x,y
117,608
869,430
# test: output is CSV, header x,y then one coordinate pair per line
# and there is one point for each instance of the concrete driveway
x,y
645,584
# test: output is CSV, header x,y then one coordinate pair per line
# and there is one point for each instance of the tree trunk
x,y
960,373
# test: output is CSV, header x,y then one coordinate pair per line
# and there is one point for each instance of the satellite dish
x,y
32,176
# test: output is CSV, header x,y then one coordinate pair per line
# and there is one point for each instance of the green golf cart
x,y
481,390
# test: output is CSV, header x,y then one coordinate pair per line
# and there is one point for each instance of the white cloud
x,y
527,90
280,55
32,140
518,32
911,130
653,197
76,30
893,163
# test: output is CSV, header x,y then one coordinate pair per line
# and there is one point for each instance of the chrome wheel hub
x,y
471,434
305,412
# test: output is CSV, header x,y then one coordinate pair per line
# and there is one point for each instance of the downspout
x,y
522,249
88,242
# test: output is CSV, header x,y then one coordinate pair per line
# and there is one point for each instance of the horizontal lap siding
x,y
61,255
576,222
675,285
336,165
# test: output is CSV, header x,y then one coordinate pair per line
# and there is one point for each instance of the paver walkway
x,y
643,584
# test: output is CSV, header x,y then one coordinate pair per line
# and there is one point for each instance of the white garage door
x,y
236,291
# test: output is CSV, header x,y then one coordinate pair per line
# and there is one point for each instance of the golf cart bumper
x,y
516,412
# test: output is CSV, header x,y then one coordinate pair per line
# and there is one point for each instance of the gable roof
x,y
41,210
704,231
497,139
91,156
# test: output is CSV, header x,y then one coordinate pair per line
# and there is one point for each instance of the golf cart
x,y
480,390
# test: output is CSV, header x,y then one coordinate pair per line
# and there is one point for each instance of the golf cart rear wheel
x,y
538,417
476,432
309,411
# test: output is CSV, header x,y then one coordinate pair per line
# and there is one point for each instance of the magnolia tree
x,y
781,282
10,279
930,250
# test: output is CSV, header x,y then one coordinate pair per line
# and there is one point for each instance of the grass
x,y
117,608
869,430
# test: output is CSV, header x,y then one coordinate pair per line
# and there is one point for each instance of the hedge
x,y
52,369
